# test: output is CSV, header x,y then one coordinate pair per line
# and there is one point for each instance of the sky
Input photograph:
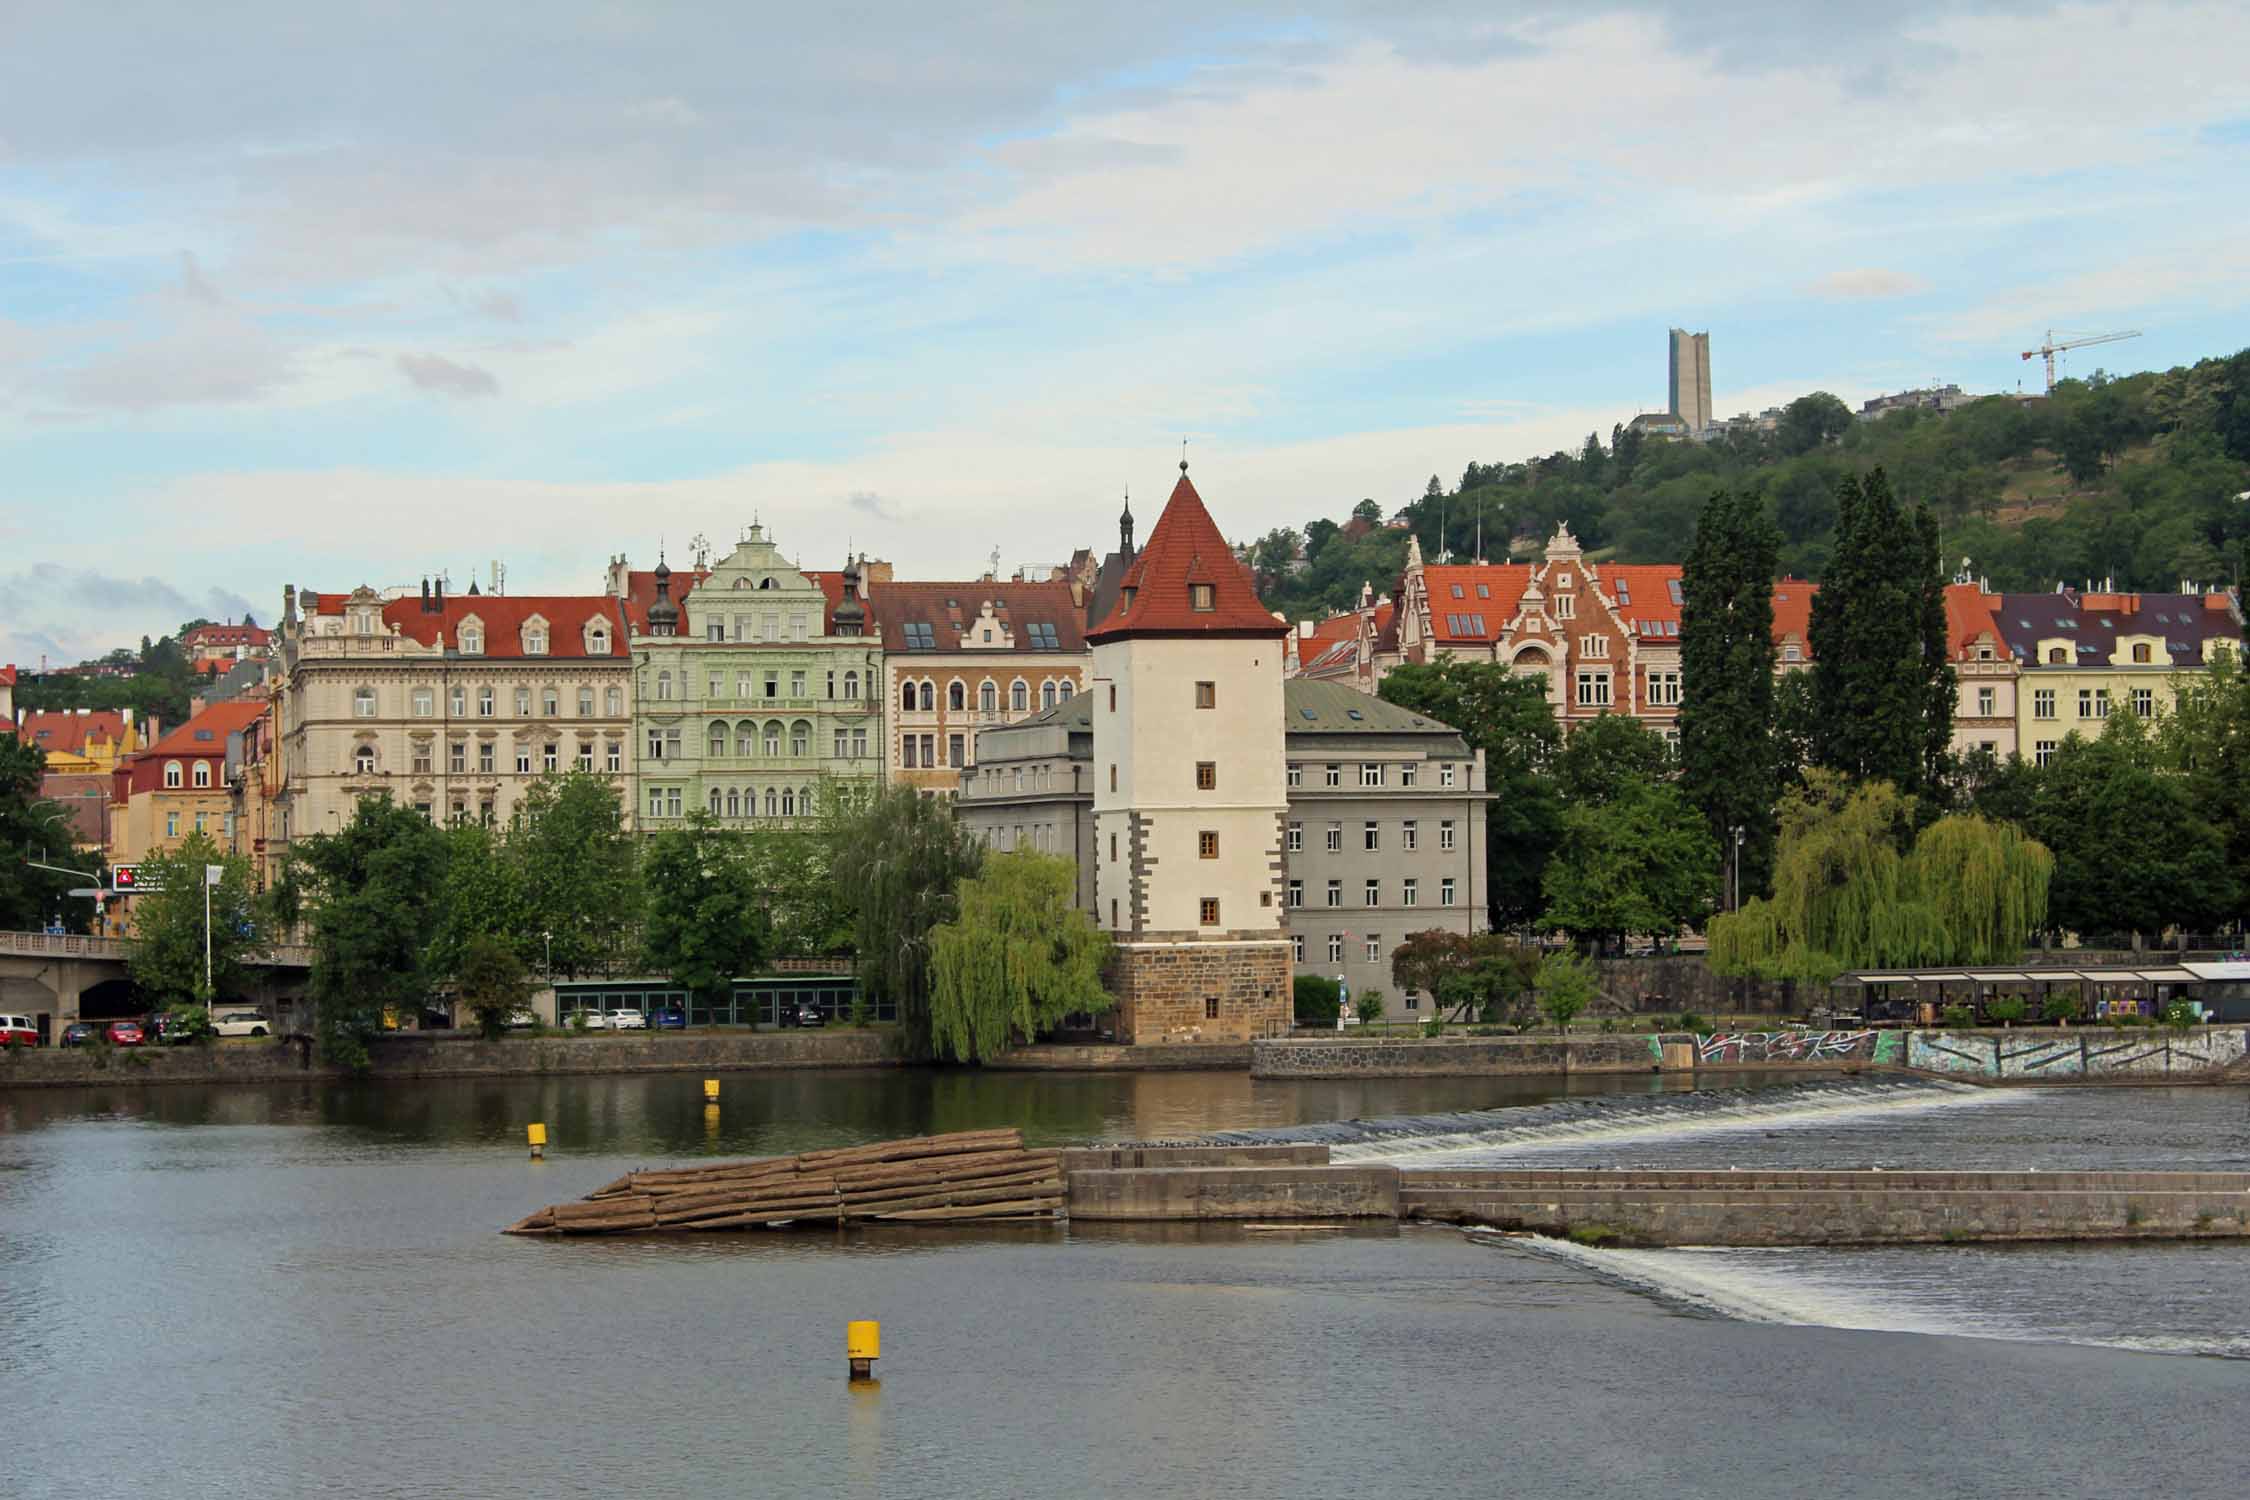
x,y
361,293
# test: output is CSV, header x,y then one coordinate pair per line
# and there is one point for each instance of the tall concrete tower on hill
x,y
1190,801
1691,379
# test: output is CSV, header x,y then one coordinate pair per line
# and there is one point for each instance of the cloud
x,y
501,307
1867,283
434,372
69,614
868,503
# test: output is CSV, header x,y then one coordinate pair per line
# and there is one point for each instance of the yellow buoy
x,y
711,1089
863,1345
537,1134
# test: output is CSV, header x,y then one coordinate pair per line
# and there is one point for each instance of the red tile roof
x,y
203,737
225,635
7,676
503,617
1185,550
65,731
1792,610
1503,585
1970,612
953,609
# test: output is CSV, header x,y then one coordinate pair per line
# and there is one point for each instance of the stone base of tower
x,y
1208,990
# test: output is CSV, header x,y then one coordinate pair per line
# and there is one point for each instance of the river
x,y
289,1291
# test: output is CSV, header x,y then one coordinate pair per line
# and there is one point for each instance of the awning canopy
x,y
2169,976
2232,968
1998,977
1943,978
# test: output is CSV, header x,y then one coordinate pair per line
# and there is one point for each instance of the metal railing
x,y
78,945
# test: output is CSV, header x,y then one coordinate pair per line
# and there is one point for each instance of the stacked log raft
x,y
969,1176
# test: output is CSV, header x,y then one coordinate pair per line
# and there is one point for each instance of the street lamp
x,y
1737,882
549,939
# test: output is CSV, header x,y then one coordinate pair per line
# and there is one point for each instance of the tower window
x,y
1206,695
1207,844
1209,911
1202,597
1206,776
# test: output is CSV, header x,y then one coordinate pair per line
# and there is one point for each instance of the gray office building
x,y
1385,830
1691,379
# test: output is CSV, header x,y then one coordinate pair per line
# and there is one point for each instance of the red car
x,y
126,1034
17,1031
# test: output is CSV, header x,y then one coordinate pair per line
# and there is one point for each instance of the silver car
x,y
241,1023
627,1020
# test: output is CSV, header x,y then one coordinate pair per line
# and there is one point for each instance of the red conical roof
x,y
1184,550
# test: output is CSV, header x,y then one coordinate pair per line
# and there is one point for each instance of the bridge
x,y
58,978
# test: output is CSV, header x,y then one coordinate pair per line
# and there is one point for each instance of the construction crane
x,y
2072,341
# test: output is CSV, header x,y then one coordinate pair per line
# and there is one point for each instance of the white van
x,y
17,1031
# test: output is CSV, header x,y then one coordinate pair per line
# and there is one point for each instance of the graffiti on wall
x,y
1792,1046
2093,1053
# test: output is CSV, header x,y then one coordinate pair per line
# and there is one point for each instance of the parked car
x,y
78,1034
809,1014
521,1020
627,1020
668,1018
126,1034
592,1020
17,1031
241,1023
169,1030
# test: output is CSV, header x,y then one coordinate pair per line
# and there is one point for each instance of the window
x,y
1207,911
1019,696
773,739
955,745
1206,695
1113,776
1296,774
718,740
1043,636
773,687
1206,776
1210,1007
423,758
1335,893
2144,702
797,688
523,703
1371,773
487,756
2054,656
523,760
1374,947
1445,891
1410,894
1792,653
1296,893
615,758
1335,838
363,703
585,755
203,773
1373,893
550,703
457,757
1406,774
800,740
1371,835
1663,689
1410,835
2140,651
597,643
2043,703
1593,689
1566,607
907,751
171,825
534,641
484,703
472,639
1296,838
656,744
656,802
988,698
613,702
550,759
2043,753
672,801
2093,703
1445,774
1335,947
1445,834
1207,844
1988,702
585,703
1047,694
425,703
1332,776
1202,597
1113,911
1297,947
1113,697
851,685
172,774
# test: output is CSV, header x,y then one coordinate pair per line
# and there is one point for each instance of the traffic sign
x,y
126,879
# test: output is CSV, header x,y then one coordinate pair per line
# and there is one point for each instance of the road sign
x,y
126,879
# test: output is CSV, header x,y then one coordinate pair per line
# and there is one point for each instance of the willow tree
x,y
1017,959
899,859
1987,883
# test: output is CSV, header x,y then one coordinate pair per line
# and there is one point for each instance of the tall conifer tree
x,y
1730,766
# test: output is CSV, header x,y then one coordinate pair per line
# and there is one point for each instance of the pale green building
x,y
756,690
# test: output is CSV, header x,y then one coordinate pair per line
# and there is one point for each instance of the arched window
x,y
851,685
597,644
172,774
956,695
363,761
715,804
906,696
663,685
804,801
929,696
1019,695
988,697
1047,694
773,803
788,802
472,639
745,739
734,803
203,771
773,743
800,739
718,746
1066,690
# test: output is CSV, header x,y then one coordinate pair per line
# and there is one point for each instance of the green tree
x,y
1017,958
165,955
706,923
2205,743
1508,718
1608,757
373,891
578,870
1731,762
795,868
1566,986
33,832
1810,421
1643,862
480,896
493,983
903,857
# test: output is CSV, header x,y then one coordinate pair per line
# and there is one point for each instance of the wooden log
x,y
605,1208
541,1222
943,1166
922,1189
948,1197
938,1145
1014,1210
612,1225
761,1219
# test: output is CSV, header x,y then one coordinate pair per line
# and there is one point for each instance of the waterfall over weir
x,y
1622,1119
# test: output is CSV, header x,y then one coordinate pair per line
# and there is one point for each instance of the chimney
x,y
437,597
876,571
425,595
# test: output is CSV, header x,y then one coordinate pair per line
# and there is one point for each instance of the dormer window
x,y
1128,597
535,640
1203,597
597,643
2055,656
472,637
2140,651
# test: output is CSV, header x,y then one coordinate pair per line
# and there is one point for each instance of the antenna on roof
x,y
1183,455
700,545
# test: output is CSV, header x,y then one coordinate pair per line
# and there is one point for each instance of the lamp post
x,y
1736,884
549,939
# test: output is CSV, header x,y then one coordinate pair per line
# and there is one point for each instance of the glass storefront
x,y
758,1002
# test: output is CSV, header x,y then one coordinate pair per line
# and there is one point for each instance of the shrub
x,y
1593,1235
1957,1018
193,1021
1688,1020
2179,1015
1368,1007
860,1013
2006,1011
1316,1000
1434,1026
2059,1007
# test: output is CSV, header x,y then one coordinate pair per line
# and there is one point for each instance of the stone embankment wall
x,y
2079,1054
450,1057
1245,1192
1838,1208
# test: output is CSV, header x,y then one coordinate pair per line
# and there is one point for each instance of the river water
x,y
290,1291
